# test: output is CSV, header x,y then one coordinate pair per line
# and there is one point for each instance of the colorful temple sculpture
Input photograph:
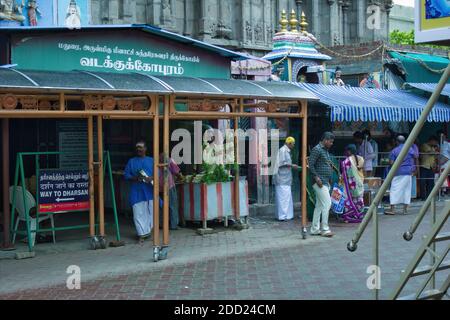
x,y
294,56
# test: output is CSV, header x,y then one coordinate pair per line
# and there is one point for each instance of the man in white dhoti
x,y
400,192
139,171
283,180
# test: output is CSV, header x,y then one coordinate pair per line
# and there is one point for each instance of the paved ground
x,y
267,261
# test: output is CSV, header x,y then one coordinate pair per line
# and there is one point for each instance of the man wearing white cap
x,y
283,180
139,171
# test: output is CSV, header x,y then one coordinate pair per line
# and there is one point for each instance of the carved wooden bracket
x,y
8,101
109,103
92,102
45,105
29,103
125,104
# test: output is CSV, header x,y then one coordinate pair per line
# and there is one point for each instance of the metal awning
x,y
361,104
137,83
430,87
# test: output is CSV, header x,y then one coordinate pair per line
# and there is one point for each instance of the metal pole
x,y
376,253
433,245
352,245
408,235
156,176
91,177
304,165
5,180
101,208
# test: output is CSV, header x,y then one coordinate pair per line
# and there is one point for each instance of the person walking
x,y
321,169
353,177
139,170
428,164
400,192
283,181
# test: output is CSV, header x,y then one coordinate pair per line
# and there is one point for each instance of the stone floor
x,y
268,261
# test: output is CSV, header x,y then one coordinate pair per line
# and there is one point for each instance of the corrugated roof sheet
x,y
354,104
75,81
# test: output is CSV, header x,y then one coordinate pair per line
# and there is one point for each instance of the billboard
x,y
432,21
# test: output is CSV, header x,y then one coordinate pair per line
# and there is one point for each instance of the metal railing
x,y
371,213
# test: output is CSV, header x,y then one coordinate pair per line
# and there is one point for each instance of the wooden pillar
x,y
304,155
168,100
91,176
101,206
62,102
5,180
156,174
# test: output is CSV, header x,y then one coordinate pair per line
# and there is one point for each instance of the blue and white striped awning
x,y
361,104
430,87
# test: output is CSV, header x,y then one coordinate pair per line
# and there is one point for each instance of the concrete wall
x,y
401,18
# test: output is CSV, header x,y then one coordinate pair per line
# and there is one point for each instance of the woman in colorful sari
x,y
353,177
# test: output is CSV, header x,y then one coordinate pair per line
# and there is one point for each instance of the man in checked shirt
x,y
321,169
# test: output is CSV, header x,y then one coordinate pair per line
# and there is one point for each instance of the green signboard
x,y
128,52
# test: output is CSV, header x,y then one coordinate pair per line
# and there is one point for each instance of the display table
x,y
205,202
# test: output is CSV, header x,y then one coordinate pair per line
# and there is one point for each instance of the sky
x,y
409,3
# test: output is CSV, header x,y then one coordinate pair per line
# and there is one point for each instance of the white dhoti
x,y
143,217
400,192
285,204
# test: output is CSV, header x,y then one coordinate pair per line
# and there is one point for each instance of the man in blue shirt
x,y
139,171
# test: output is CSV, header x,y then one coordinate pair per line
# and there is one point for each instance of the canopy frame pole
x,y
91,176
168,100
156,177
237,212
5,181
101,208
62,102
304,108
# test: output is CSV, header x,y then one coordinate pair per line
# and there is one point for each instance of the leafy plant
x,y
407,38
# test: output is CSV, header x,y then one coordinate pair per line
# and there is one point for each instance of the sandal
x,y
389,213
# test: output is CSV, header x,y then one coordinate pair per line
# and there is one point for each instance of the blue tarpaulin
x,y
362,104
430,87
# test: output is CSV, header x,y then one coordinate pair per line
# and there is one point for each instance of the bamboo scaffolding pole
x,y
156,178
91,176
304,106
5,182
168,101
101,205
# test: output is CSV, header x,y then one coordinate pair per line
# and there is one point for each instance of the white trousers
x,y
143,217
322,208
400,192
285,204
